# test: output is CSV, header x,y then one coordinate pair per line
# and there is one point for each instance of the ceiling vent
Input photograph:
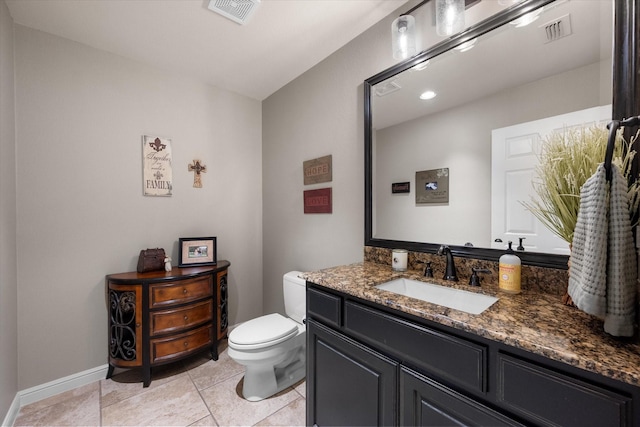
x,y
237,10
387,88
556,29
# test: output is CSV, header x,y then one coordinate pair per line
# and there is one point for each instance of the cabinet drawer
x,y
324,306
176,347
456,359
550,398
425,402
175,320
172,293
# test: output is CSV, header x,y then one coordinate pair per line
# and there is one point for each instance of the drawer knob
x,y
186,317
184,291
186,343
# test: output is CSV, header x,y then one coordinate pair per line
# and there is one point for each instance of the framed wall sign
x,y
157,177
195,251
432,186
318,201
317,170
400,187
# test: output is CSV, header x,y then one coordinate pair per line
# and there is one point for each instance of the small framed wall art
x,y
196,251
318,201
432,186
400,187
156,166
318,170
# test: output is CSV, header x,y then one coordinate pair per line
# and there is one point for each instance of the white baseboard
x,y
12,414
42,391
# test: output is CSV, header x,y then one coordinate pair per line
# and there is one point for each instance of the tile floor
x,y
193,392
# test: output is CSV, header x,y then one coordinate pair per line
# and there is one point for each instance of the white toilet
x,y
272,347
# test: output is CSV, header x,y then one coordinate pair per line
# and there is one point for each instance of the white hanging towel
x,y
603,275
588,273
622,273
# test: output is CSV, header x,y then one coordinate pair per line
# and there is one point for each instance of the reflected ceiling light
x,y
527,19
429,94
421,66
449,17
403,37
466,45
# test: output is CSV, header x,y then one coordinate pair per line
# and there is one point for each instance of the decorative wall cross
x,y
197,168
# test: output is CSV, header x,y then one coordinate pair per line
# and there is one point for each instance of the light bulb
x,y
449,17
403,37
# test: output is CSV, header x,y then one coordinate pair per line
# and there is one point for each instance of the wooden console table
x,y
161,317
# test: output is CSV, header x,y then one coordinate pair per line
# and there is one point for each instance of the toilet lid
x,y
264,329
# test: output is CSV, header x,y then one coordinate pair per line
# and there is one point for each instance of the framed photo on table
x,y
196,251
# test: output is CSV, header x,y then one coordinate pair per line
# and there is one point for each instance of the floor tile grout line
x,y
282,408
203,400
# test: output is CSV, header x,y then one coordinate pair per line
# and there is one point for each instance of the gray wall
x,y
80,116
8,261
319,113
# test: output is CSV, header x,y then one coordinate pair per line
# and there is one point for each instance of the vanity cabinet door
x,y
425,402
551,398
348,384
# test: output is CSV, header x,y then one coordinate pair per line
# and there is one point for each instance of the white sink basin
x,y
469,302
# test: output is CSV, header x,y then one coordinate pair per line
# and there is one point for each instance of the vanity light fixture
x,y
449,20
449,17
404,40
403,37
429,94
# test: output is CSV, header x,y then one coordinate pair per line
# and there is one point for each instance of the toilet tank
x,y
294,289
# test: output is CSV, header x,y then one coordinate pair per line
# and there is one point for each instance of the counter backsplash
x,y
547,280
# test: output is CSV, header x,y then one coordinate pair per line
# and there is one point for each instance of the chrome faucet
x,y
450,270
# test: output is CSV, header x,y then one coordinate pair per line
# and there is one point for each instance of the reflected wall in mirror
x,y
513,75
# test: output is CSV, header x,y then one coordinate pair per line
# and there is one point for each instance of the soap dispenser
x,y
510,267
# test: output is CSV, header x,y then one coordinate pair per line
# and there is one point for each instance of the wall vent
x,y
387,88
237,10
556,29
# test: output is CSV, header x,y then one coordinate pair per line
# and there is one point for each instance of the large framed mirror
x,y
576,57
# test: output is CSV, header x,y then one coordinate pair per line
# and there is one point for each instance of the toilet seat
x,y
263,331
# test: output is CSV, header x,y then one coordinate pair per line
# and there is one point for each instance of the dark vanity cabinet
x,y
353,385
371,365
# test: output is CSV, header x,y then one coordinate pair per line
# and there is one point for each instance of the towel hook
x,y
611,143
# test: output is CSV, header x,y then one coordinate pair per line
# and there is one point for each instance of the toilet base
x,y
261,382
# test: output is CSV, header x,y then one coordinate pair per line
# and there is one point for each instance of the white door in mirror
x,y
514,157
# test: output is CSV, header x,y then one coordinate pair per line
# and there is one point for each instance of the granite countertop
x,y
532,321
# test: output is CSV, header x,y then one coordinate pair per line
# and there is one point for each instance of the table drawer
x,y
449,357
172,293
551,398
175,320
176,347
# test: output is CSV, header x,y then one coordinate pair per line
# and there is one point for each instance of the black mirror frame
x,y
625,103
